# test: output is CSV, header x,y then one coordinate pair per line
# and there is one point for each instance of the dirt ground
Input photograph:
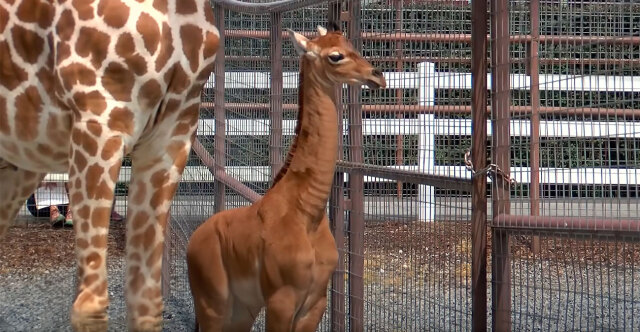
x,y
37,247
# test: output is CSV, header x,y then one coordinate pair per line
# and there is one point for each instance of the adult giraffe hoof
x,y
82,322
146,324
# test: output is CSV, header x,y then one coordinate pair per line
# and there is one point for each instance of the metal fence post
x,y
500,117
479,158
534,72
336,206
356,186
275,112
219,156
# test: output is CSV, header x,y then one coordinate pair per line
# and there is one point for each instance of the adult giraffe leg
x,y
96,156
16,186
157,166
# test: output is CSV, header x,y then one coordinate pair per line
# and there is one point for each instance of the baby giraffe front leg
x,y
96,156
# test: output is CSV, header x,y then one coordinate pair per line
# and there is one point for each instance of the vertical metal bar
x,y
479,158
275,113
356,184
500,95
336,203
534,68
219,156
398,4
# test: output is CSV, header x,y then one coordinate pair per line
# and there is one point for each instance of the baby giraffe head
x,y
334,59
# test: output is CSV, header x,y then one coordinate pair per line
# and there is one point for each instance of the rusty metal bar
x,y
500,117
577,226
534,73
398,4
465,60
439,181
453,109
221,175
278,6
219,115
459,37
276,110
337,206
479,158
356,186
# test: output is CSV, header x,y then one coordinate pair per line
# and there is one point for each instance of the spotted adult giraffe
x,y
82,84
279,251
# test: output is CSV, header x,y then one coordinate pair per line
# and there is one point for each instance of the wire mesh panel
x,y
573,100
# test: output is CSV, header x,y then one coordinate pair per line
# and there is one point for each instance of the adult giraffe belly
x,y
35,137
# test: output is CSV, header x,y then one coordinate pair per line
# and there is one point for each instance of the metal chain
x,y
491,170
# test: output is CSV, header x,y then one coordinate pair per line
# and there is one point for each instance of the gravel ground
x,y
417,278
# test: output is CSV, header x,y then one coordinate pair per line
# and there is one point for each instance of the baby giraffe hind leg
x,y
208,282
16,185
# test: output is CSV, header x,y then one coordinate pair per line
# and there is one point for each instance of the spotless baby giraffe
x,y
279,252
82,84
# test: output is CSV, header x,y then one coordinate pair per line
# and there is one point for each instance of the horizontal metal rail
x,y
450,109
266,7
575,226
439,181
542,61
455,37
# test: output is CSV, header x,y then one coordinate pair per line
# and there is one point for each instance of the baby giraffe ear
x,y
322,31
300,42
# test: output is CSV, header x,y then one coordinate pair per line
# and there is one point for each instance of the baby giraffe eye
x,y
335,57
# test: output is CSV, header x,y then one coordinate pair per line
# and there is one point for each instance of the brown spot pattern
x,y
159,178
111,146
93,260
99,241
151,92
137,278
84,212
85,11
114,12
140,193
29,106
181,129
35,11
121,119
79,161
10,74
166,47
77,73
149,237
186,7
94,43
139,220
160,5
28,44
118,81
4,19
82,243
211,45
177,79
125,47
148,28
85,141
4,117
191,36
65,25
94,128
100,216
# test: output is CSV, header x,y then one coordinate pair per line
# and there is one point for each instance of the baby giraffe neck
x,y
310,165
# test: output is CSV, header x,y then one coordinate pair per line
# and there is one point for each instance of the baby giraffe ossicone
x,y
279,252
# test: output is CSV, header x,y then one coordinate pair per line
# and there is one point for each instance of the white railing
x,y
427,81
